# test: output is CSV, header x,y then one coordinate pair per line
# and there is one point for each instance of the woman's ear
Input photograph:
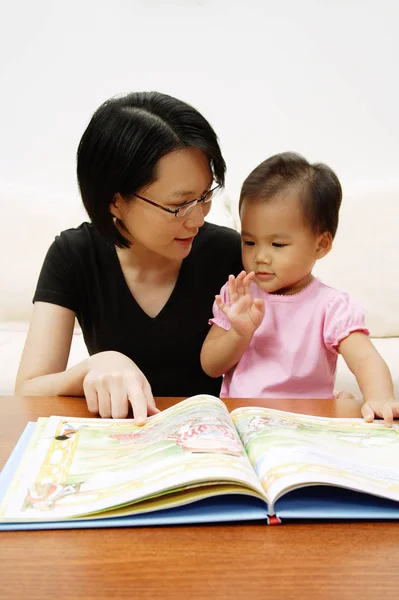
x,y
324,245
117,206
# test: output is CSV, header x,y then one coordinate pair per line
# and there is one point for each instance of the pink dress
x,y
293,353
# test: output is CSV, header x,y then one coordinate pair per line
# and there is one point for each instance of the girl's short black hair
x,y
122,144
319,189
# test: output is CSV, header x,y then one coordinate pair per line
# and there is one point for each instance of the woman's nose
x,y
196,217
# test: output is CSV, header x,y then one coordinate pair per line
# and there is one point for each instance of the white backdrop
x,y
315,76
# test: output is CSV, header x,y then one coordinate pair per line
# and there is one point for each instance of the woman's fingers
x,y
104,397
119,399
90,392
138,398
151,406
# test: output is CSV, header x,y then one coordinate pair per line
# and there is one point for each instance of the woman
x,y
142,276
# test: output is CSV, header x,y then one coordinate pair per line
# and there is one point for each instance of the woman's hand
x,y
244,313
112,383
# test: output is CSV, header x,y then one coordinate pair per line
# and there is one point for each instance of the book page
x,y
289,450
78,467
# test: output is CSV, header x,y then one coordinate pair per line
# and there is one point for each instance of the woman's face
x,y
182,175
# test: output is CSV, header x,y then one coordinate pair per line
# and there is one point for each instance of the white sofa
x,y
364,262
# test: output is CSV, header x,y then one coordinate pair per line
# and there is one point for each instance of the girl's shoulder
x,y
337,301
328,292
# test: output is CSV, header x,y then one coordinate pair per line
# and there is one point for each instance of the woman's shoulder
x,y
83,233
79,239
216,251
218,236
77,245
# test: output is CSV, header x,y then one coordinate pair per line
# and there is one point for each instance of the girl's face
x,y
182,175
278,245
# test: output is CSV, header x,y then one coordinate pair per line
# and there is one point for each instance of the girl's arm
x,y
372,375
222,350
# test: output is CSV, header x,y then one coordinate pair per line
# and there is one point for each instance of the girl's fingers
x,y
260,305
387,414
240,283
232,289
247,283
219,303
367,413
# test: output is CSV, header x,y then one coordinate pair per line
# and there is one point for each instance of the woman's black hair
x,y
319,189
123,143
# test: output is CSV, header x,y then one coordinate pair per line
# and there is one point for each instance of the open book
x,y
196,463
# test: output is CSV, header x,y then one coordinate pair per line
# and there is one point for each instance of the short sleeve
x,y
219,318
343,316
57,281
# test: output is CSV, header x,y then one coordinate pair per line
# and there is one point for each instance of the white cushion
x,y
389,350
30,220
12,340
220,212
364,260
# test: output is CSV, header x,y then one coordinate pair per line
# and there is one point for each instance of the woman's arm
x,y
110,381
45,356
372,375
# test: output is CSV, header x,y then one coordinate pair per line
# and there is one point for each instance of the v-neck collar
x,y
132,299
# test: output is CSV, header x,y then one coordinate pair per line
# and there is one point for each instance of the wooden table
x,y
330,560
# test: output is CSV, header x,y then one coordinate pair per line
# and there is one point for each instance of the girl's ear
x,y
324,245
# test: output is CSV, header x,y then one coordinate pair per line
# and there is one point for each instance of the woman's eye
x,y
277,245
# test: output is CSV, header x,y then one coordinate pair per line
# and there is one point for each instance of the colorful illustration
x,y
288,450
67,431
84,466
44,496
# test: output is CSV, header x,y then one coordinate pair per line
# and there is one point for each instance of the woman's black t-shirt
x,y
82,272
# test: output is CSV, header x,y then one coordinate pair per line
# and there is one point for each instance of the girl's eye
x,y
248,243
277,245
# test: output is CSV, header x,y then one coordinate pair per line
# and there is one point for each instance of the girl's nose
x,y
263,258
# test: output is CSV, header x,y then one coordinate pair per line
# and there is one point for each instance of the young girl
x,y
277,330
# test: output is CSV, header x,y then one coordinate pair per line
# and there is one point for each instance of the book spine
x,y
273,520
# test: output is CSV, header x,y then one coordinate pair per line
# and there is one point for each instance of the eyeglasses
x,y
185,208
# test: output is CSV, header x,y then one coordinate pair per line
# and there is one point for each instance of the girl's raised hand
x,y
244,313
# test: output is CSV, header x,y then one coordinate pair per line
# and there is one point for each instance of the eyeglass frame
x,y
192,203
